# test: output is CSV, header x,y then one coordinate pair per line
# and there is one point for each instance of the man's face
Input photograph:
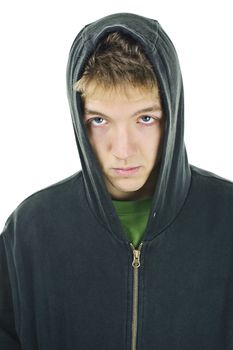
x,y
125,133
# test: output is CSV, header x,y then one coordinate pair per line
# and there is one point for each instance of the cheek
x,y
150,135
99,145
97,135
150,143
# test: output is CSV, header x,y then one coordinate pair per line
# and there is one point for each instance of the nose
x,y
123,145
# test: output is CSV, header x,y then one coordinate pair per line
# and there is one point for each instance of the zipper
x,y
136,265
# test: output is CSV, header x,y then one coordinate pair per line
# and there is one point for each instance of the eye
x,y
146,119
96,121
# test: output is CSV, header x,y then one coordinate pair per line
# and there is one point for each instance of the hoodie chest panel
x,y
187,297
75,287
187,283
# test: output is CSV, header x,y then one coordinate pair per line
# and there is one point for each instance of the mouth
x,y
126,171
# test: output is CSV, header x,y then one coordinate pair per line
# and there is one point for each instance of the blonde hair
x,y
117,62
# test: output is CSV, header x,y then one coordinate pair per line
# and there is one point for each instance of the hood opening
x,y
174,172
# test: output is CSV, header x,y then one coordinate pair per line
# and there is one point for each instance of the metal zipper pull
x,y
136,255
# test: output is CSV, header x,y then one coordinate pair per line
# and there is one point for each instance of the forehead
x,y
123,96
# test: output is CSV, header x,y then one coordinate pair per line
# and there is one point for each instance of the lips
x,y
126,171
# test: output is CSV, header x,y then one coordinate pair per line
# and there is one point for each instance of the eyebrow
x,y
153,108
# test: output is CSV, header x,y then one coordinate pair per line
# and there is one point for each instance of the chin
x,y
129,187
124,185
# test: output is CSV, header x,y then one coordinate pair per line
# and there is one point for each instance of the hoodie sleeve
x,y
8,336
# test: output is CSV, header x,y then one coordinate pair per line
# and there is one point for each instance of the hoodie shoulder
x,y
216,188
209,175
47,202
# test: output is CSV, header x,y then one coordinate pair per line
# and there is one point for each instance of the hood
x,y
174,176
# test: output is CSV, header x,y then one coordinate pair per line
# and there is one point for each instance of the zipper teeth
x,y
136,256
135,309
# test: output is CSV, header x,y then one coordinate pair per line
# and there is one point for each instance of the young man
x,y
136,250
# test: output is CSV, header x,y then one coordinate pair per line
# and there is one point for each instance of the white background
x,y
37,144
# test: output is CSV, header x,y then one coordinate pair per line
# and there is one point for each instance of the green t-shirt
x,y
133,216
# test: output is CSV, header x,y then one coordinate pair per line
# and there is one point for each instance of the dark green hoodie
x,y
69,278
